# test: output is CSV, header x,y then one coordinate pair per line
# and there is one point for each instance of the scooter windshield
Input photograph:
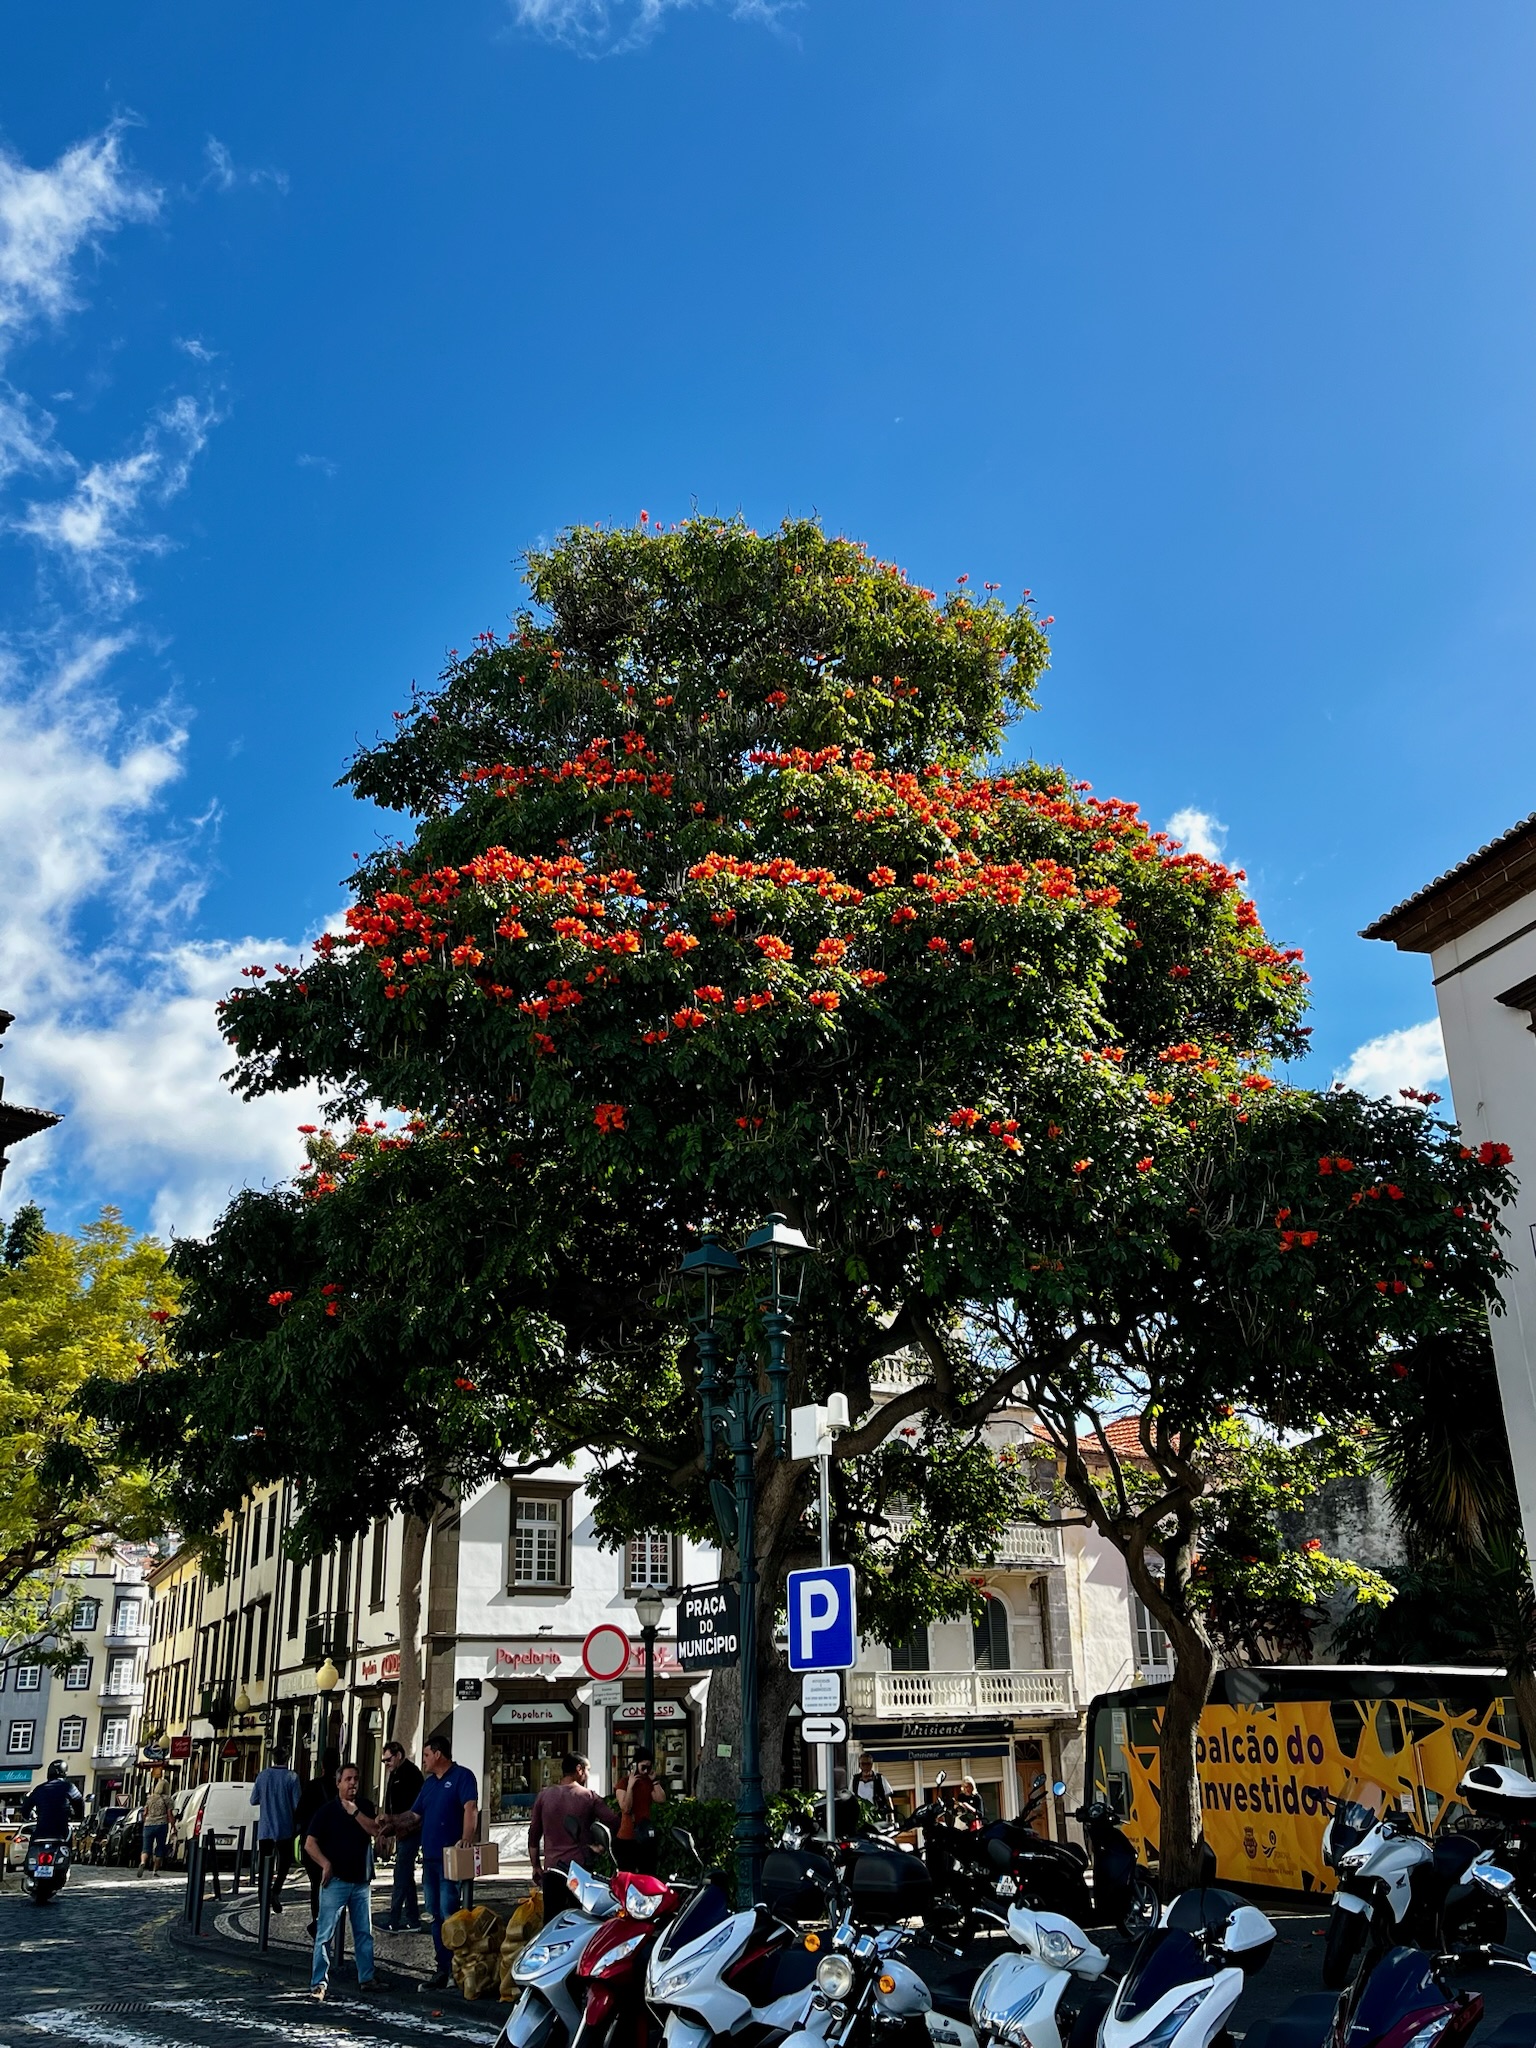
x,y
706,1909
1402,1984
1165,1959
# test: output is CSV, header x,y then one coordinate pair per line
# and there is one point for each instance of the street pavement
x,y
98,1968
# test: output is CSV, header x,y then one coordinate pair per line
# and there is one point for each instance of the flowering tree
x,y
716,901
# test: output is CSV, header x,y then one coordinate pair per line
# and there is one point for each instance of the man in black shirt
x,y
340,1841
401,1784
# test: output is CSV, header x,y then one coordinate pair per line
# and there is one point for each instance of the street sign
x,y
606,1651
708,1628
181,1746
821,1692
466,1688
823,1622
605,1692
833,1728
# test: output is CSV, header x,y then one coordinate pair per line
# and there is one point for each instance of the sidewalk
x,y
402,1961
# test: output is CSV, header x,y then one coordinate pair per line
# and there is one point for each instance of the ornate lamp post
x,y
648,1607
735,1416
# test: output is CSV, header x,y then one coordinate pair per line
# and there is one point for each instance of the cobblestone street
x,y
99,1968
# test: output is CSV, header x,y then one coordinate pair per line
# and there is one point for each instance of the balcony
x,y
1025,1544
127,1636
111,1753
952,1695
328,1635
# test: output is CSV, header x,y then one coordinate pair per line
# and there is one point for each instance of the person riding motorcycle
x,y
53,1805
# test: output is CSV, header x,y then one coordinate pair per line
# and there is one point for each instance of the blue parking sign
x,y
823,1622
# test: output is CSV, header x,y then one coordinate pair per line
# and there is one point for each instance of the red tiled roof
x,y
1123,1437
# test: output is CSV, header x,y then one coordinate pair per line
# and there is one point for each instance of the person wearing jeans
x,y
445,1811
340,1843
401,1784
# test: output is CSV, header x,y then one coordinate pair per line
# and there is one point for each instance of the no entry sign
x,y
605,1652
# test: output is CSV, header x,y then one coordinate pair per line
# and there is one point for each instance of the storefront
x,y
375,1692
1003,1760
674,1743
525,1741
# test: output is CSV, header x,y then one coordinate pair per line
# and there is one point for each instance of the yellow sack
x,y
526,1919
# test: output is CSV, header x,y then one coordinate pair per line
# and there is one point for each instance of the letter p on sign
x,y
823,1624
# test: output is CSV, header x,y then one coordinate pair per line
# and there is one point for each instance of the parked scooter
x,y
863,1984
46,1869
1394,1885
1186,1975
609,1982
1055,1957
548,2014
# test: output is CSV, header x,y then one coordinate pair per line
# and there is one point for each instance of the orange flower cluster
x,y
609,1116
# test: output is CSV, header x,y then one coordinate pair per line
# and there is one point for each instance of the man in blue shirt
x,y
446,1811
276,1796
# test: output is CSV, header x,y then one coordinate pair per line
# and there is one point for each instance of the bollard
x,y
264,1892
191,1851
197,1887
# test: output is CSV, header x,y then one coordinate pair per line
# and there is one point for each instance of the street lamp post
x,y
648,1607
735,1414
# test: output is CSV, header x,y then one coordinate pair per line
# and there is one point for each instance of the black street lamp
x,y
648,1607
735,1414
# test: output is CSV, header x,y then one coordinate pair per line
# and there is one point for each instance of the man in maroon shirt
x,y
561,1829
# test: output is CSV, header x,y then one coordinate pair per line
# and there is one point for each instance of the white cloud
x,y
48,216
1411,1058
93,526
606,27
224,173
1200,832
321,462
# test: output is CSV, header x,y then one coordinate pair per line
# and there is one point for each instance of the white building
x,y
1477,923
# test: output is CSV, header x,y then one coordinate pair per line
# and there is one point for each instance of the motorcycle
x,y
1394,1881
1032,1986
1187,1974
609,1980
45,1869
547,2013
863,1984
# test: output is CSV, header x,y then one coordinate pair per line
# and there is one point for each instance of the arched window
x,y
990,1637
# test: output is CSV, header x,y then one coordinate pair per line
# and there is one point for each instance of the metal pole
x,y
648,1637
264,1891
751,1811
829,1750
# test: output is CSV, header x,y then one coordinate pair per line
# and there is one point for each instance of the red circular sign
x,y
606,1651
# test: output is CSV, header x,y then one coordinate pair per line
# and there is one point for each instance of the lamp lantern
x,y
648,1605
327,1678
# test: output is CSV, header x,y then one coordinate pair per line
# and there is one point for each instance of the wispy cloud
x,y
321,462
48,216
96,526
1200,831
224,174
1411,1058
608,27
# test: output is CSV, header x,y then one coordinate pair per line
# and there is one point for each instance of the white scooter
x,y
1186,1976
713,1973
546,2014
1028,1986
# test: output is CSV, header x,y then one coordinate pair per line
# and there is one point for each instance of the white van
x,y
218,1810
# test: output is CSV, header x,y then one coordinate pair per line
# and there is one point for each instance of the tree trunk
x,y
1523,1685
1181,1822
413,1554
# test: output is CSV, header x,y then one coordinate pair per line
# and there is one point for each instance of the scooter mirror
x,y
1530,1962
1492,1879
1038,1781
684,1835
942,1778
1059,1789
601,1836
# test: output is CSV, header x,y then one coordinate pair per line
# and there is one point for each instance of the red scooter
x,y
609,1986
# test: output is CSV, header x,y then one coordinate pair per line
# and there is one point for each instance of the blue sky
x,y
1211,325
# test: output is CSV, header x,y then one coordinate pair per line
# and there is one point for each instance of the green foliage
x,y
25,1234
711,1822
71,1308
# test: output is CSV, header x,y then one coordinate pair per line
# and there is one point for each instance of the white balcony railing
x,y
121,1691
1020,1543
949,1695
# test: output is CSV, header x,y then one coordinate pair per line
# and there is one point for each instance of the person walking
x,y
562,1821
402,1781
275,1795
157,1825
872,1786
445,1811
317,1793
340,1843
637,1794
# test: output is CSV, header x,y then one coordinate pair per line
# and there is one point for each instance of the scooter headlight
x,y
1058,1948
1426,2035
1162,2035
641,1905
672,1981
618,1952
834,1977
534,1959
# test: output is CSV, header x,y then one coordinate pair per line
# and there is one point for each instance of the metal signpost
x,y
821,1689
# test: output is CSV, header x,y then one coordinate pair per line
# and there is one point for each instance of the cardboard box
x,y
480,1859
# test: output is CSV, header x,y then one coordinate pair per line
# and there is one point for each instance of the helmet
x,y
58,1768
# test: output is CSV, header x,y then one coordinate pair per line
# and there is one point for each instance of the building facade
x,y
1477,926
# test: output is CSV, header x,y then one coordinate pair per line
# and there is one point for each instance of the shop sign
x,y
526,1657
708,1628
14,1775
155,1752
379,1670
181,1745
466,1688
665,1710
933,1731
526,1714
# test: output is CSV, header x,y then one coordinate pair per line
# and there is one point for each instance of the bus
x,y
1276,1740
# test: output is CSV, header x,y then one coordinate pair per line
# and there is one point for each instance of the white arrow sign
x,y
831,1728
821,1692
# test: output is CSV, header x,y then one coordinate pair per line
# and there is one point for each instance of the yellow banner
x,y
1266,1771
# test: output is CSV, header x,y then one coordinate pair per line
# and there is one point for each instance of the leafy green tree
x,y
71,1309
716,900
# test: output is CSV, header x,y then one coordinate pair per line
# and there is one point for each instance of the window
x,y
119,1674
29,1677
263,1622
77,1676
86,1615
114,1735
1152,1651
538,1546
271,1524
295,1593
378,1565
22,1737
255,1532
911,1652
4,1667
990,1638
236,1545
248,1649
649,1562
71,1734
127,1617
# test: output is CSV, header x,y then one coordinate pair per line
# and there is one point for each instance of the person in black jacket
x,y
402,1782
320,1791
